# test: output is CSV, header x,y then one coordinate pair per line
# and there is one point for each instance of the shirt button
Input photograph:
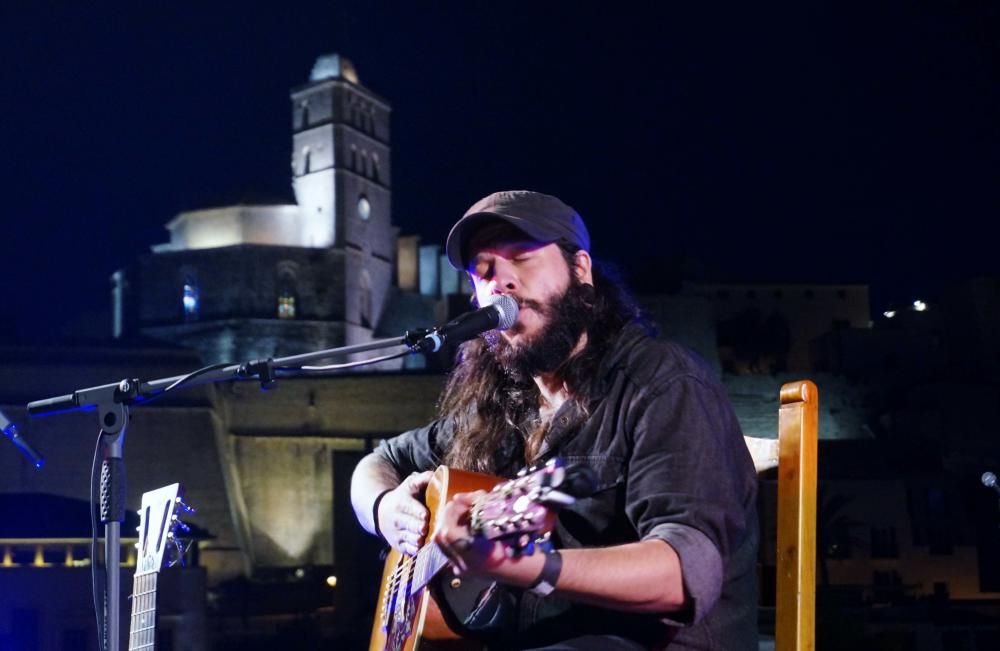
x,y
564,420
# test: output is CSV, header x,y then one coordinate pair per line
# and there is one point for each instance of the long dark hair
x,y
494,412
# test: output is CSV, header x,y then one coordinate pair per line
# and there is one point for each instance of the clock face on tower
x,y
364,208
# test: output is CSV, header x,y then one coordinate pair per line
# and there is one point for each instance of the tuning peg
x,y
184,507
180,524
178,554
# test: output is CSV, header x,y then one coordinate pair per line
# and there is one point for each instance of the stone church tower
x,y
341,176
242,281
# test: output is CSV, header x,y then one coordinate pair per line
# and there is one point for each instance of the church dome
x,y
333,66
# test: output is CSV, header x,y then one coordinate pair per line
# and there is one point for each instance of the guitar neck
x,y
142,628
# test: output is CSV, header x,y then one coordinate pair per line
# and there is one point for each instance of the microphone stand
x,y
112,402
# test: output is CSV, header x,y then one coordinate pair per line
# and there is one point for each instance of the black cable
x,y
98,611
321,370
193,374
187,378
315,370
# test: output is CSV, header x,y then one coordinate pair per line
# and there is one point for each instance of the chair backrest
x,y
794,455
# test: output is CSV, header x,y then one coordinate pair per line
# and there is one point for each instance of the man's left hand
x,y
468,552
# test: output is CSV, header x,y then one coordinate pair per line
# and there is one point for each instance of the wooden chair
x,y
793,453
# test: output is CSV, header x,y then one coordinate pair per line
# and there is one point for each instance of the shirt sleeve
x,y
691,483
416,450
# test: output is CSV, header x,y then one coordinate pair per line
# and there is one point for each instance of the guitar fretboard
x,y
142,628
430,560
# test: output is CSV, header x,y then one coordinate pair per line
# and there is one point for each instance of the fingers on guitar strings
x,y
455,549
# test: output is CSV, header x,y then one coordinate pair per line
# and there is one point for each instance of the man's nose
x,y
505,276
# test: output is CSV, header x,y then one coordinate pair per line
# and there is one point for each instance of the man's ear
x,y
582,264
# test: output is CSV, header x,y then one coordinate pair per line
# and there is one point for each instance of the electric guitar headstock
x,y
521,512
159,524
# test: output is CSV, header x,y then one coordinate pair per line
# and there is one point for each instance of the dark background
x,y
805,142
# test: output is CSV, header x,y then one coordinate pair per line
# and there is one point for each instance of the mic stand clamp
x,y
263,369
417,341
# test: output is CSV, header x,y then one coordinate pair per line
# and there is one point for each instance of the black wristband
x,y
546,581
378,500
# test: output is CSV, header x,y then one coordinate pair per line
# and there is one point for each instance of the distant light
x,y
919,305
300,573
889,314
190,300
331,581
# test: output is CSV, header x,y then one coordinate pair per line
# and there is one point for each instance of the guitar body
x,y
417,623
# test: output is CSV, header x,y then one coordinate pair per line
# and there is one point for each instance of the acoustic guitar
x,y
159,520
519,513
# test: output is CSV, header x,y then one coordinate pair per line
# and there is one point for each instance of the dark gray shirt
x,y
672,464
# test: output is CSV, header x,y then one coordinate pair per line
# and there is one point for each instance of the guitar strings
x,y
403,566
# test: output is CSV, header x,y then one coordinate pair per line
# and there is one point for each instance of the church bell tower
x,y
341,177
252,281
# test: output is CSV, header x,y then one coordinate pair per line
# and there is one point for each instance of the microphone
x,y
499,315
990,481
10,431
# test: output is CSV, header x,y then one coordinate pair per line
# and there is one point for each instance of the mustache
x,y
537,306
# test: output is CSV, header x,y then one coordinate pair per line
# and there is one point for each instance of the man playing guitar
x,y
662,555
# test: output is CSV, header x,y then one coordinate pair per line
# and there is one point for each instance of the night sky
x,y
815,143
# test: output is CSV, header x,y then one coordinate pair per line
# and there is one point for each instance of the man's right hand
x,y
402,516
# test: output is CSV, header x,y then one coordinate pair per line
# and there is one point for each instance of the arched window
x,y
189,299
287,296
286,304
365,299
375,173
304,115
305,160
354,158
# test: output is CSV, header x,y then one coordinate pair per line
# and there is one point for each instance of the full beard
x,y
566,319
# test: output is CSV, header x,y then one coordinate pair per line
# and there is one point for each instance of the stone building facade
x,y
256,281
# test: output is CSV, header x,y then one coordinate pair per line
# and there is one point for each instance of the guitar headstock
x,y
521,511
159,522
